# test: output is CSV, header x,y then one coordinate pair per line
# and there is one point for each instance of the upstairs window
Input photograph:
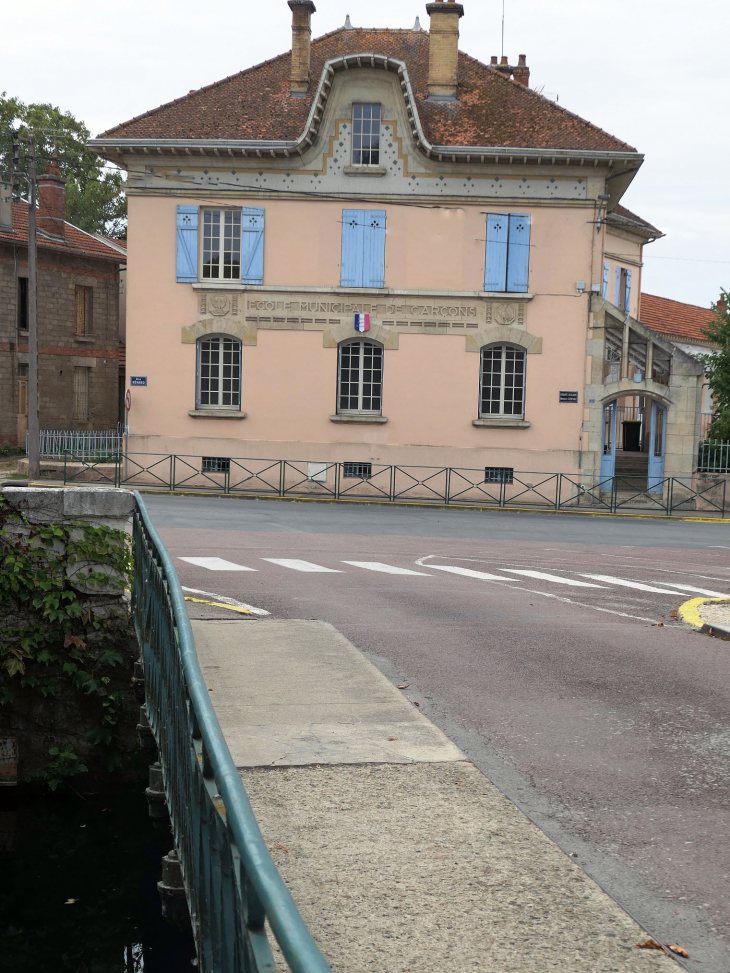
x,y
219,373
22,303
363,248
366,135
360,377
503,382
83,311
507,265
221,243
623,289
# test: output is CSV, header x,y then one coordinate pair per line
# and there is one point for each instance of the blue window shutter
x,y
374,248
351,267
252,246
187,244
518,255
617,302
495,268
627,306
604,292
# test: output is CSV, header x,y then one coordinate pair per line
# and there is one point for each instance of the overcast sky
x,y
655,73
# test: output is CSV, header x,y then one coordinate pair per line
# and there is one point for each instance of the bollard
x,y
172,890
145,736
155,793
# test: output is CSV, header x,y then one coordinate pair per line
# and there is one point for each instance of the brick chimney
x,y
301,29
521,73
6,205
443,59
52,200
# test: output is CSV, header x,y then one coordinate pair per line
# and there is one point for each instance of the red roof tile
x,y
619,215
491,110
674,318
76,242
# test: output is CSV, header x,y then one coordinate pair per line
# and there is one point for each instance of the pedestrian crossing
x,y
424,568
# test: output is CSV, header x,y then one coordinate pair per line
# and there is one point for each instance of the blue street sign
x,y
138,380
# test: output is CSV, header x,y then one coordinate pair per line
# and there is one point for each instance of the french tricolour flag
x,y
362,322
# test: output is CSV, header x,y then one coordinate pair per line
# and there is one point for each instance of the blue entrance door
x,y
657,438
608,458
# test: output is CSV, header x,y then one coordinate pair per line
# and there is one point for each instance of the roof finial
x,y
348,23
417,25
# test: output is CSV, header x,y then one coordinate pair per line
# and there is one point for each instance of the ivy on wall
x,y
64,625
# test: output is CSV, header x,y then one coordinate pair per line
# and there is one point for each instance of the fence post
x,y
393,471
173,457
337,481
447,492
557,491
614,495
282,476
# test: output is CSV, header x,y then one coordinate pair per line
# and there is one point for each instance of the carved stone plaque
x,y
219,304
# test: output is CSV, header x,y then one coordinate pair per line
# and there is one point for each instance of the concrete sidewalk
x,y
400,854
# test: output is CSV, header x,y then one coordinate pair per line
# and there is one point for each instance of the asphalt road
x,y
534,641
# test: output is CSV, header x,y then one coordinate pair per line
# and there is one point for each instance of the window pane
x,y
211,243
349,376
366,135
361,377
232,245
503,381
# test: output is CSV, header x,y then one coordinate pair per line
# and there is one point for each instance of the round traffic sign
x,y
128,399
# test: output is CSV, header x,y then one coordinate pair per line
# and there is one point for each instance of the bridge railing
x,y
232,885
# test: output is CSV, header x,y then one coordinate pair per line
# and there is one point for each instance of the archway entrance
x,y
634,434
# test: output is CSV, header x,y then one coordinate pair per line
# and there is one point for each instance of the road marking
x,y
295,564
623,583
468,573
385,568
541,576
228,602
692,587
215,564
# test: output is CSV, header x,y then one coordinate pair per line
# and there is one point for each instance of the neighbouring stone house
x,y
78,318
375,249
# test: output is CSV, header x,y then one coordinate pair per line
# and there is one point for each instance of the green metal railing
x,y
699,493
232,885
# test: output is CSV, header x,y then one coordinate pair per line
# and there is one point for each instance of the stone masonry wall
x,y
59,349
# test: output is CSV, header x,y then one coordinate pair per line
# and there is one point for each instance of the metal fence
x,y
489,486
713,457
232,885
67,443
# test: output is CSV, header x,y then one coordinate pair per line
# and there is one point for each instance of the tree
x,y
95,199
717,368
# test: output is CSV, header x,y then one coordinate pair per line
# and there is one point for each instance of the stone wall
x,y
40,721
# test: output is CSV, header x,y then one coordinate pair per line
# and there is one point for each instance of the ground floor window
x,y
502,381
81,394
360,377
219,373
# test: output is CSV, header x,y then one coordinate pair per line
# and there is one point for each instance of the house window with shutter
x,y
507,265
623,289
219,373
366,135
502,382
221,244
81,394
363,248
360,378
83,311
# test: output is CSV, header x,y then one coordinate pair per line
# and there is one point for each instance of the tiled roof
x,y
76,242
620,216
683,321
491,110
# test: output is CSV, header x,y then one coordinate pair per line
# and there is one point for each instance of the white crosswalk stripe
x,y
623,583
385,568
694,588
469,573
295,564
216,564
554,578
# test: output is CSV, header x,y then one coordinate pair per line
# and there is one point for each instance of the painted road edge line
x,y
689,612
222,601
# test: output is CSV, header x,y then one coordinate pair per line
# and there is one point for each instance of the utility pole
x,y
30,177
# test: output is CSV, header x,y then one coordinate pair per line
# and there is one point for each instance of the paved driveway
x,y
535,642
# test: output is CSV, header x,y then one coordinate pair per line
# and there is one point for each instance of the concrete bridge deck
x,y
400,854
